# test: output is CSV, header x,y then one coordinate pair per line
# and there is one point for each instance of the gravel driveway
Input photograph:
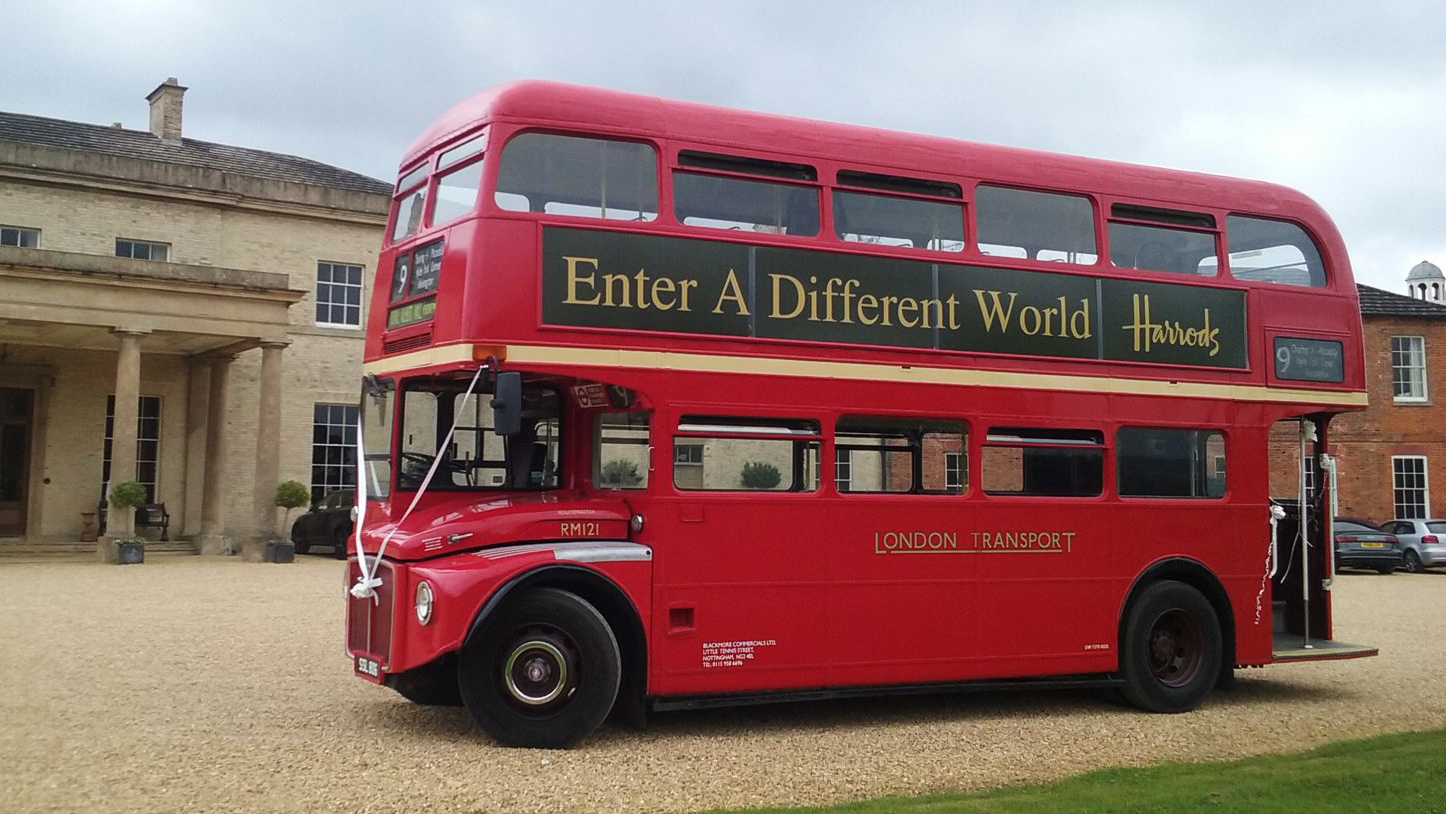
x,y
205,684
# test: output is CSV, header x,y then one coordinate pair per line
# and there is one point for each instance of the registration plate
x,y
368,668
1373,545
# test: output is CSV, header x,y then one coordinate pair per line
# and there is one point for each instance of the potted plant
x,y
124,498
290,495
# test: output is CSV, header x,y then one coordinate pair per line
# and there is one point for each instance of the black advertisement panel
x,y
686,285
1173,324
1309,360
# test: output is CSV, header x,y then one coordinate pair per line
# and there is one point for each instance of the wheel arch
x,y
1193,573
599,591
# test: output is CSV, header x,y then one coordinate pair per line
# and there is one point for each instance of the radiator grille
x,y
407,343
369,622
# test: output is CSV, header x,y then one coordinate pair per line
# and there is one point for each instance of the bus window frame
x,y
401,193
499,139
1325,264
971,228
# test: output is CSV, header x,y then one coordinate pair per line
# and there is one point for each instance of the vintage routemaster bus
x,y
669,405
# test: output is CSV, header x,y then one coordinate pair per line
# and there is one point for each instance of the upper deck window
x,y
1160,248
904,222
411,202
719,202
578,177
1273,251
456,193
1035,225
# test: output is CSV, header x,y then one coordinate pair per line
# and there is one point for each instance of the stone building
x,y
184,313
1386,453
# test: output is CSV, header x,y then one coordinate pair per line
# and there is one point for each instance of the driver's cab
x,y
506,434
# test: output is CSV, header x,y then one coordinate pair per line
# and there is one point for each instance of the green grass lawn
x,y
1390,773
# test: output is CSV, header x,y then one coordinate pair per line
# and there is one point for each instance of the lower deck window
x,y
1043,462
621,443
898,456
746,454
1156,462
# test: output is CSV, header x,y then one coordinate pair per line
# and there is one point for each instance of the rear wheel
x,y
1171,652
1412,561
297,540
543,672
1386,569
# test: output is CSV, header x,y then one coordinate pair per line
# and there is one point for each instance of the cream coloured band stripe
x,y
861,371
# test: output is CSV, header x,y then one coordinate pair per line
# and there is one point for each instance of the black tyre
x,y
1171,652
1412,561
542,672
338,543
1385,569
302,546
433,685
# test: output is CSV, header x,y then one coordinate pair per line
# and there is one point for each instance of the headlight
x,y
424,602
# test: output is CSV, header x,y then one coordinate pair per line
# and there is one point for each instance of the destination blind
x,y
693,286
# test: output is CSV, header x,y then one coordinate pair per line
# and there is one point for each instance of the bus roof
x,y
592,109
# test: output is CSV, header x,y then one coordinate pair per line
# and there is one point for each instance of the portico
x,y
77,328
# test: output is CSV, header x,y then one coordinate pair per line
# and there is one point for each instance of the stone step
x,y
33,550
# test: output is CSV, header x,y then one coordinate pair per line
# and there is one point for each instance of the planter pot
x,y
280,551
130,553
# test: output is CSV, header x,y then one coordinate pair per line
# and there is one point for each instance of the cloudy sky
x,y
1343,101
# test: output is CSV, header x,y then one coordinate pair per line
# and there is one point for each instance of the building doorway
x,y
16,416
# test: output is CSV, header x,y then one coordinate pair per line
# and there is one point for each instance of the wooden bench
x,y
148,515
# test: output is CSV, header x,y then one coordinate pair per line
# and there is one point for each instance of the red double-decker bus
x,y
669,405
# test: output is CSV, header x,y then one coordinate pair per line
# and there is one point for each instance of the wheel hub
x,y
1177,648
535,672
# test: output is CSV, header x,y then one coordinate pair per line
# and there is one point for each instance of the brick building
x,y
1386,453
187,314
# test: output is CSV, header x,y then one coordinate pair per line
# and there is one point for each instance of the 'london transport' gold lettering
x,y
978,542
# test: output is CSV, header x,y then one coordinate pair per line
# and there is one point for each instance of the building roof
x,y
1378,303
142,145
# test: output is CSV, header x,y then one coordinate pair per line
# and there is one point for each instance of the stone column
x,y
197,411
213,539
268,453
120,523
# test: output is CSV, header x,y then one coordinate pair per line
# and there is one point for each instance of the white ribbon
x,y
1272,559
368,581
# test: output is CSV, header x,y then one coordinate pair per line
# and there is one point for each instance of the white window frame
x,y
843,471
954,470
19,232
1425,487
340,287
1416,348
153,486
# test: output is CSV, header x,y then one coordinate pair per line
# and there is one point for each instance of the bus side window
x,y
1043,462
746,454
1155,462
893,455
620,451
1038,225
1272,251
1159,248
578,177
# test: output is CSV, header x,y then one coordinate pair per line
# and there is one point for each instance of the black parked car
x,y
1361,545
328,523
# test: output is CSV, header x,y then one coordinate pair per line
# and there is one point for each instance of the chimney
x,y
166,110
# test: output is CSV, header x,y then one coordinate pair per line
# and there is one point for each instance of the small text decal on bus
x,y
708,287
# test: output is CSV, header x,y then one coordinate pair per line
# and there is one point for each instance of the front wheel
x,y
543,672
1412,561
1171,651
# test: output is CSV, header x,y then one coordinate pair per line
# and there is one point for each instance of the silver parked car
x,y
1422,542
